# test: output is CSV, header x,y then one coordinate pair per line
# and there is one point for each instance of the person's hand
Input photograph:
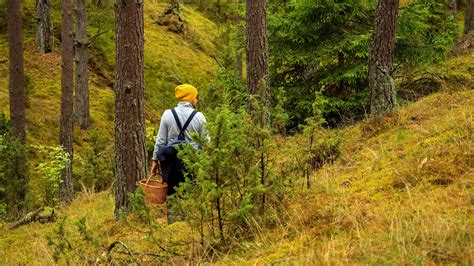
x,y
154,168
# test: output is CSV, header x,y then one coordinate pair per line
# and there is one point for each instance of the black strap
x,y
183,129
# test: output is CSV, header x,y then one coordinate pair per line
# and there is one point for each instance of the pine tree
x,y
257,58
381,81
67,114
130,149
17,74
43,31
17,97
82,78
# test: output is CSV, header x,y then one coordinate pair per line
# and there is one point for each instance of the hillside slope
x,y
401,191
170,59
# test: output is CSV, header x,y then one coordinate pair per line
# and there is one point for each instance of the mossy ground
x,y
400,192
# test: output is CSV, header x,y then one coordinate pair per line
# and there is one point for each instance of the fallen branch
x,y
116,243
27,219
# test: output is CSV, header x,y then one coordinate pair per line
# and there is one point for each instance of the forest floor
x,y
401,191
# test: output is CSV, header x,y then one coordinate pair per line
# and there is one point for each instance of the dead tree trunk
x,y
43,31
67,114
257,60
469,17
82,77
130,150
381,81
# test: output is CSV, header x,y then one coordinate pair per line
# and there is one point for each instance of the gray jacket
x,y
169,130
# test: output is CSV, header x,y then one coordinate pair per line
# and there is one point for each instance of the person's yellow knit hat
x,y
186,93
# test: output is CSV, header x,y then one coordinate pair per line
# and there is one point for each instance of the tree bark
x,y
130,150
82,78
43,31
17,97
469,17
381,81
257,60
67,114
17,74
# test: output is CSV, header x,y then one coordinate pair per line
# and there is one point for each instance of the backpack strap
x,y
176,119
182,129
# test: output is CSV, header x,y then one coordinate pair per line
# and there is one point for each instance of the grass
x,y
400,191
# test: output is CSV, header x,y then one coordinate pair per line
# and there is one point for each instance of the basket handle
x,y
148,180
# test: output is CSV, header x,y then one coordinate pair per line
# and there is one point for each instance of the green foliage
x,y
279,116
97,162
323,46
230,182
66,249
228,88
60,243
139,207
50,173
425,33
13,171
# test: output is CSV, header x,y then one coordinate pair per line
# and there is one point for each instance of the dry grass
x,y
401,191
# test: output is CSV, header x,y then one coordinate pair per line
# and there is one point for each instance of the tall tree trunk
x,y
130,150
469,17
381,81
17,96
82,78
17,74
43,31
67,114
257,60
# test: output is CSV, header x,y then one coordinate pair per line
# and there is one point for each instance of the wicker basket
x,y
155,190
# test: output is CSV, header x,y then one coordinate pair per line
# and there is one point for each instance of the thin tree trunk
x,y
43,31
82,78
17,98
130,150
67,114
381,81
453,5
240,41
238,64
469,17
257,60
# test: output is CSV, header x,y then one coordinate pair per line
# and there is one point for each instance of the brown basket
x,y
155,190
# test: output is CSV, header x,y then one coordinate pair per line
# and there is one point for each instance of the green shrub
x,y
49,172
97,162
13,172
230,182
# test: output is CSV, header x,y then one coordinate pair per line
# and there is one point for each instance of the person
x,y
172,121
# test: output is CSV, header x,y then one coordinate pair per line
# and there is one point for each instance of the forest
x,y
335,132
